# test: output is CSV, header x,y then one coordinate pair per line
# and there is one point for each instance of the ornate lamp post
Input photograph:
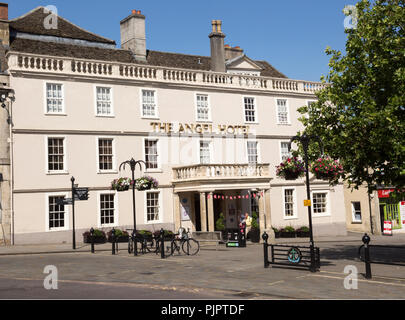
x,y
133,163
305,140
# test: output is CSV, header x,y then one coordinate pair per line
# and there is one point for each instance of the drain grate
x,y
146,273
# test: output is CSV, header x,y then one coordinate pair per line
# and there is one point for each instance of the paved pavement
x,y
226,273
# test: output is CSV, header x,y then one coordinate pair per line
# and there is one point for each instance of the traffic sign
x,y
307,203
81,194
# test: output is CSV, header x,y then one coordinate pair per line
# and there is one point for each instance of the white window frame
x,y
111,114
46,112
47,215
209,120
295,205
256,108
116,209
159,164
65,167
328,205
307,104
114,162
156,116
257,151
354,220
160,220
287,105
281,149
210,143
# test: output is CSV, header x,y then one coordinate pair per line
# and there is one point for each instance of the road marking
x,y
273,283
362,280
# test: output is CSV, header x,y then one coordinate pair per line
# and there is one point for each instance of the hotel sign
x,y
187,128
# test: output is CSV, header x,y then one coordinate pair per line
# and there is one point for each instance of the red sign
x,y
388,228
385,193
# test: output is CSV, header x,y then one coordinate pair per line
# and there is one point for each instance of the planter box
x,y
254,235
120,239
87,239
277,235
287,234
302,234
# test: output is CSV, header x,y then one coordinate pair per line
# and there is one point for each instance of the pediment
x,y
243,63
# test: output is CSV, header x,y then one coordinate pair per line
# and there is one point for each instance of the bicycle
x,y
184,242
147,243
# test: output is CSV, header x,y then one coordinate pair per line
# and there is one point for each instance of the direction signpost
x,y
78,194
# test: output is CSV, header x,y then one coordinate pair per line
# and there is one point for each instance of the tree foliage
x,y
360,116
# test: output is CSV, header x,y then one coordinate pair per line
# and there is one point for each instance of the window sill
x,y
357,222
105,116
60,173
284,124
56,114
150,118
108,172
153,171
290,218
314,215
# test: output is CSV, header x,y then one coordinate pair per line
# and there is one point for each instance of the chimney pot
x,y
3,11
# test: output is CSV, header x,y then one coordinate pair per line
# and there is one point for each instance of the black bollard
x,y
162,244
135,244
265,238
366,241
92,239
113,240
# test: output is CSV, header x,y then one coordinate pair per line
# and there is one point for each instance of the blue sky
x,y
291,35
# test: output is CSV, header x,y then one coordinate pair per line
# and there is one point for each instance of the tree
x,y
360,116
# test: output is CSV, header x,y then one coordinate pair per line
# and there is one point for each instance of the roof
x,y
33,23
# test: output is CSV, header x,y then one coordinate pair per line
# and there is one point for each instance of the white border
x,y
65,152
210,141
288,111
159,162
353,213
259,156
156,117
196,107
116,210
328,206
280,150
114,169
256,109
67,212
145,209
295,206
63,113
112,114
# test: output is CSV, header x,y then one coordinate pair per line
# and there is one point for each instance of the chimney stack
x,y
3,11
231,53
133,34
217,47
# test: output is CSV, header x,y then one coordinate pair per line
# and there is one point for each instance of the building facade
x,y
211,130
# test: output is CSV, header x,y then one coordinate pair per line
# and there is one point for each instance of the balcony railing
x,y
115,70
220,171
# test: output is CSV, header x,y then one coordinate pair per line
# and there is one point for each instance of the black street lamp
x,y
305,140
133,163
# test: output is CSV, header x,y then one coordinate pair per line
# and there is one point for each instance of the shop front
x,y
392,212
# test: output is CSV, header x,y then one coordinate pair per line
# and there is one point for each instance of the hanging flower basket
x,y
327,169
121,184
291,169
146,183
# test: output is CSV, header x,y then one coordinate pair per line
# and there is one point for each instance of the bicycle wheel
x,y
176,247
168,248
191,247
150,245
